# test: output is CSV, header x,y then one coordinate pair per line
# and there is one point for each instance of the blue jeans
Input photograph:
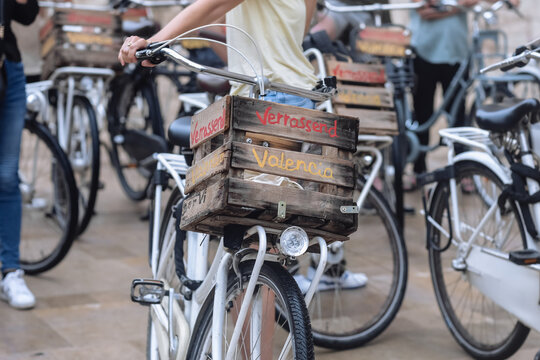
x,y
288,99
12,112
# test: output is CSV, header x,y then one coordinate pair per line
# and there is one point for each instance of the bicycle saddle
x,y
143,28
504,116
213,85
179,131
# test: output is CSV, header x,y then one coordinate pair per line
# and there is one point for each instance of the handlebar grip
x,y
120,4
150,54
521,63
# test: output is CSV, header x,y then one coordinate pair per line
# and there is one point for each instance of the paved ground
x,y
84,311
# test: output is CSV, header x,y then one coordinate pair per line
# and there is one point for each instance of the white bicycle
x,y
484,244
246,303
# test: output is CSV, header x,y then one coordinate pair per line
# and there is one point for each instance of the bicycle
x,y
163,263
48,189
385,298
480,243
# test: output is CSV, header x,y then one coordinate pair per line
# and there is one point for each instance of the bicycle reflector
x,y
293,241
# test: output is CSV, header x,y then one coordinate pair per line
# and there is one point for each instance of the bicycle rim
x,y
85,158
481,327
281,306
376,250
49,200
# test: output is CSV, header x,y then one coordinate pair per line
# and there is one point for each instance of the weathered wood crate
x,y
391,41
80,38
362,94
237,138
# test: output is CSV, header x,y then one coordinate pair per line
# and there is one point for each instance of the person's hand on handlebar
x,y
128,49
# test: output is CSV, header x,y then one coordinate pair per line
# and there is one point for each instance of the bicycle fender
x,y
487,160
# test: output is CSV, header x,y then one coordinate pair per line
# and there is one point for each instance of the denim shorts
x,y
288,99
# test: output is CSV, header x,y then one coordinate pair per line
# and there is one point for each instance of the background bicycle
x,y
48,189
483,240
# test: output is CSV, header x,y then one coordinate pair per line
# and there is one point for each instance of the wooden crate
x,y
80,38
390,41
362,94
237,137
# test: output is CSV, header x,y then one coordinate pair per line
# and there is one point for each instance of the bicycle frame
x,y
65,82
490,269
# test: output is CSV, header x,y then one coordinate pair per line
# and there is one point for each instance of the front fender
x,y
487,160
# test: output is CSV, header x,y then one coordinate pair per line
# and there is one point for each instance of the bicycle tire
x,y
133,106
378,250
50,208
496,335
286,296
88,183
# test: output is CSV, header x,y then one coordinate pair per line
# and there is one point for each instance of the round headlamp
x,y
293,241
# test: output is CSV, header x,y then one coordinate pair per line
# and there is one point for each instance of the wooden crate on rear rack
x,y
80,38
237,138
362,91
362,94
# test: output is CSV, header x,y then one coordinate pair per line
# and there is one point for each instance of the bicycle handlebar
x,y
513,61
442,5
156,53
117,5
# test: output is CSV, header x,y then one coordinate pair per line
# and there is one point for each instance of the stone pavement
x,y
84,312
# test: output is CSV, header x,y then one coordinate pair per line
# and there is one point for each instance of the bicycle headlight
x,y
293,241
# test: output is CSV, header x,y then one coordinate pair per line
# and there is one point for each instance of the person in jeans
x,y
13,288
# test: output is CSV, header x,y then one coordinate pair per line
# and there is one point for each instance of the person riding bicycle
x,y
13,288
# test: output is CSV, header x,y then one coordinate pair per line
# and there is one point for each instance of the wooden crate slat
x,y
381,48
391,35
364,95
294,123
87,17
372,121
299,202
211,122
292,164
355,72
215,163
201,204
217,223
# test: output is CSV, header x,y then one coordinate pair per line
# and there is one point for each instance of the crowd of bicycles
x,y
210,300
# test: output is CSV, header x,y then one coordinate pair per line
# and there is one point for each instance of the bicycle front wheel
x,y
481,327
377,254
49,200
278,307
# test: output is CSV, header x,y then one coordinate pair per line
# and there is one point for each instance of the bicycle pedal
x,y
147,291
525,257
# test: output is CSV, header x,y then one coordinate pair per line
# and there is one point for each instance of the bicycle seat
x,y
213,85
179,131
143,28
504,116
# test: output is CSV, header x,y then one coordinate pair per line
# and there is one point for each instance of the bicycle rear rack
x,y
470,136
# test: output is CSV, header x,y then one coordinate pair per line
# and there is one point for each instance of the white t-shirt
x,y
277,26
